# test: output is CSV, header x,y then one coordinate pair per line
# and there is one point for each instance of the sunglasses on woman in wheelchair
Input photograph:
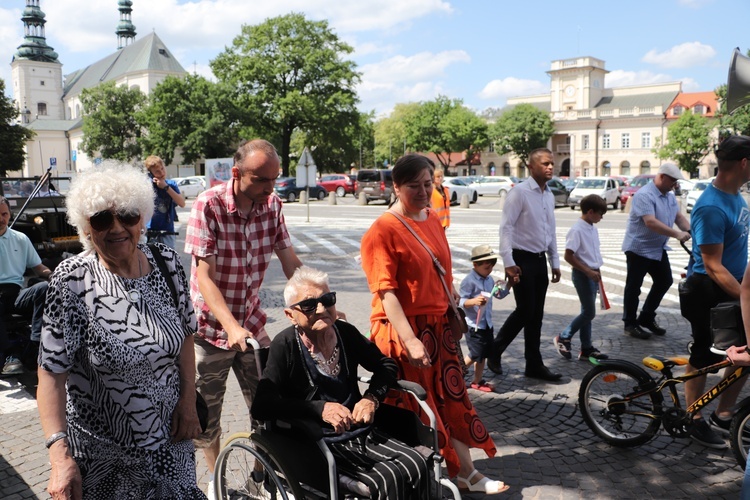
x,y
104,220
309,306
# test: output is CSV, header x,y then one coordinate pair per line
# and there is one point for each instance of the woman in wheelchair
x,y
311,372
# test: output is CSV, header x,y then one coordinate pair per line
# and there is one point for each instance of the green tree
x,y
688,141
390,132
191,114
13,136
521,130
110,125
290,73
736,123
444,126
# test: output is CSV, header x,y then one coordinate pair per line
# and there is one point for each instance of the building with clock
x,y
604,131
50,102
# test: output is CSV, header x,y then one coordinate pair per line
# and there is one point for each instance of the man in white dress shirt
x,y
527,241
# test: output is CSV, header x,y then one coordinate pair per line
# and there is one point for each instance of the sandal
x,y
484,485
482,386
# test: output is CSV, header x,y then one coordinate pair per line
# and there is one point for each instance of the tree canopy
x,y
288,73
688,141
13,136
191,114
390,131
736,123
110,124
522,130
444,126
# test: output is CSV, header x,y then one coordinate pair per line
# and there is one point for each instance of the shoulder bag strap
x,y
162,265
438,267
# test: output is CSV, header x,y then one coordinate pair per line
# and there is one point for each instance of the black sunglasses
x,y
104,220
309,306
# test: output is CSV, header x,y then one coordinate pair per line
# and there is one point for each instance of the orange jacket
x,y
441,204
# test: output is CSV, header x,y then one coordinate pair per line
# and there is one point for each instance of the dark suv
x,y
376,184
44,218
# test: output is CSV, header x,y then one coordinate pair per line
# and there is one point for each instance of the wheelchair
x,y
289,459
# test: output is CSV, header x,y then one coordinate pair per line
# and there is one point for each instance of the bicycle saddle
x,y
658,363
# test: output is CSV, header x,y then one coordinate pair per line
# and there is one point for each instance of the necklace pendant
x,y
133,296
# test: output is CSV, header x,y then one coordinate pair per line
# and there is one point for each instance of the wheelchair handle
x,y
252,343
412,387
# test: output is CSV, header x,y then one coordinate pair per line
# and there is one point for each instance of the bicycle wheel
x,y
739,432
242,472
609,409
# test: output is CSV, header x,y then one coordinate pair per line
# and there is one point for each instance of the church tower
x,y
125,28
36,72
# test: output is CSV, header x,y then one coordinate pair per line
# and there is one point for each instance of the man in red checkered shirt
x,y
233,231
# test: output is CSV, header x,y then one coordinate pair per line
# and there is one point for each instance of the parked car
x,y
493,185
607,188
622,180
683,187
376,184
570,184
286,188
458,188
340,183
691,197
190,187
558,189
637,183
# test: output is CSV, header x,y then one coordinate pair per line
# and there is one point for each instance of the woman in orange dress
x,y
409,322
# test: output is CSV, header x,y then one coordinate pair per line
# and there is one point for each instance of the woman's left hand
x,y
185,423
364,411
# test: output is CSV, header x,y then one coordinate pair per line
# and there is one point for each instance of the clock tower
x,y
576,84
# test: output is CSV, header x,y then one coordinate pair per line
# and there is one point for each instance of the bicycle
x,y
625,407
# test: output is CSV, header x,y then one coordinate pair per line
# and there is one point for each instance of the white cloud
x,y
622,78
512,87
381,97
415,68
685,55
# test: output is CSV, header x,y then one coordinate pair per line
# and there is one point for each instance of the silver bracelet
x,y
57,436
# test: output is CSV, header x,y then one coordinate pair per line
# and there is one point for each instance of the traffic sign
x,y
53,163
306,170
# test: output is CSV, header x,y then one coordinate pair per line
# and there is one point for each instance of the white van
x,y
606,187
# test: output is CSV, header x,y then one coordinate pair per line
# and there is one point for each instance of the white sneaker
x,y
210,491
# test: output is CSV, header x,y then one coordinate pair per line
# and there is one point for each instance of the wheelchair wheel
x,y
739,433
606,409
244,472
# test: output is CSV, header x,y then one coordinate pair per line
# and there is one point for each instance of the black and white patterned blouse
x,y
122,357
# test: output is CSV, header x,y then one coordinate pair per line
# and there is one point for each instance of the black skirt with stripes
x,y
388,467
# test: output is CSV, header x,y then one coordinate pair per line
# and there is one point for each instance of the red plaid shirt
x,y
242,245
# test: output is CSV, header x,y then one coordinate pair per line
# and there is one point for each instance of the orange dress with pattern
x,y
394,260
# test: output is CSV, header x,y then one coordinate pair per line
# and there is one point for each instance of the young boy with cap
x,y
476,301
583,254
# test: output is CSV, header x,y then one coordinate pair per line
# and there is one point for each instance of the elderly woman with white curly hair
x,y
116,391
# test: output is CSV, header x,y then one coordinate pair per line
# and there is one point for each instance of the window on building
x,y
625,168
677,110
606,166
625,142
585,141
645,167
491,147
699,109
605,141
506,168
78,111
41,83
646,140
41,109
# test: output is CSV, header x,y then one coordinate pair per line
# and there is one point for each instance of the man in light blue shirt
x,y
18,254
653,214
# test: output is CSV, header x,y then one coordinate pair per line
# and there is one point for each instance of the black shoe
x,y
542,373
653,326
637,332
703,434
494,365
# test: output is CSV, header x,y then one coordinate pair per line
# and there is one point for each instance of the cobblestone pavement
x,y
545,450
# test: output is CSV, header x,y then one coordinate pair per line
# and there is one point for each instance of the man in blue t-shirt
x,y
16,255
161,225
720,222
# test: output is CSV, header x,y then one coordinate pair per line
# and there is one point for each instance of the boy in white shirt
x,y
583,254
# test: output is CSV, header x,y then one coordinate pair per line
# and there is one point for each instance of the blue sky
x,y
482,51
